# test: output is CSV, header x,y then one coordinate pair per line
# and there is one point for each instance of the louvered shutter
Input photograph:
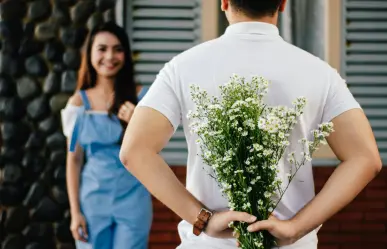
x,y
159,30
365,61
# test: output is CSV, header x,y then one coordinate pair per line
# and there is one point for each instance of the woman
x,y
109,207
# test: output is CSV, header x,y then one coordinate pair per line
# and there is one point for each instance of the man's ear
x,y
282,6
224,5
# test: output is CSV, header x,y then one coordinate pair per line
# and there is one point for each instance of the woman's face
x,y
107,54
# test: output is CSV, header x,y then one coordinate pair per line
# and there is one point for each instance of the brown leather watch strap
x,y
201,221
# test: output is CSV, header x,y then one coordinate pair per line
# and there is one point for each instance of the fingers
x,y
79,231
126,111
84,230
127,106
121,115
273,217
261,225
226,234
76,234
241,216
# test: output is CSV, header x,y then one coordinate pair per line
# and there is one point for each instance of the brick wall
x,y
362,225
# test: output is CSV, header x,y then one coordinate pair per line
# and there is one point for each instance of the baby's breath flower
x,y
243,139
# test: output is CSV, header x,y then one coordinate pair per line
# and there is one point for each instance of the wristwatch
x,y
201,221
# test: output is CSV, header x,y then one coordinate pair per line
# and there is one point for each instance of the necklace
x,y
109,99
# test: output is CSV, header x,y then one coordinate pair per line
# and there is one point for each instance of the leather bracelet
x,y
201,221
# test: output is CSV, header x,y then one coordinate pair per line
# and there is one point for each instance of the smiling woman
x,y
102,191
107,55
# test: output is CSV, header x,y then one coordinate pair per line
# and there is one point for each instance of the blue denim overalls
x,y
117,207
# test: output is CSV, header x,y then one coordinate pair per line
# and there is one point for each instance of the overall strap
x,y
142,92
75,134
85,100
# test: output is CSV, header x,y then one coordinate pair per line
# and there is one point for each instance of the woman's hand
x,y
78,227
126,111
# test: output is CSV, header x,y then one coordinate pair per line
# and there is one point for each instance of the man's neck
x,y
242,18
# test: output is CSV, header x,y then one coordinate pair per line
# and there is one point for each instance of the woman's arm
x,y
73,170
74,162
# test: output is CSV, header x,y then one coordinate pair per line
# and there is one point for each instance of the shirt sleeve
x,y
162,96
69,115
339,98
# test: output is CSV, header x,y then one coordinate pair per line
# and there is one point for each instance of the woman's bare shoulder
x,y
76,99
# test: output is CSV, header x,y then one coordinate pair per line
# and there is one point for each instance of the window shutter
x,y
364,61
159,30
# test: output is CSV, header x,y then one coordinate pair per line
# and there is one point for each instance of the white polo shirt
x,y
249,48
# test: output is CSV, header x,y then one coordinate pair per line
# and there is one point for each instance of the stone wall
x,y
40,44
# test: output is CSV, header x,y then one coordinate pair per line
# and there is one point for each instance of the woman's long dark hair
x,y
124,85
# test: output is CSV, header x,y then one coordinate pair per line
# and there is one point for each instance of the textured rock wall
x,y
40,44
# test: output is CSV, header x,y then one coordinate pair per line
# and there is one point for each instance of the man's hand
x,y
218,224
283,230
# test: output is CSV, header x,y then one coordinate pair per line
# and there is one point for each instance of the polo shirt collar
x,y
260,28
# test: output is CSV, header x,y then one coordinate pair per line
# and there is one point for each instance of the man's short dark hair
x,y
256,8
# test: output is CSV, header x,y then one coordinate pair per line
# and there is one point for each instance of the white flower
x,y
238,118
285,143
262,123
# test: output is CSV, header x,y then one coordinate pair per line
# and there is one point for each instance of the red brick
x,y
382,174
338,238
376,194
319,182
378,183
163,216
323,172
348,216
366,205
376,216
328,247
356,227
363,246
163,246
163,237
160,207
373,238
330,227
164,226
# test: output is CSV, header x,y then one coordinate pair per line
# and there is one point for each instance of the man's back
x,y
248,49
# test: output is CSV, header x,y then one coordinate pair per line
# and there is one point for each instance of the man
x,y
251,45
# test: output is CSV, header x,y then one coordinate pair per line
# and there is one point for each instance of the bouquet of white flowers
x,y
242,139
